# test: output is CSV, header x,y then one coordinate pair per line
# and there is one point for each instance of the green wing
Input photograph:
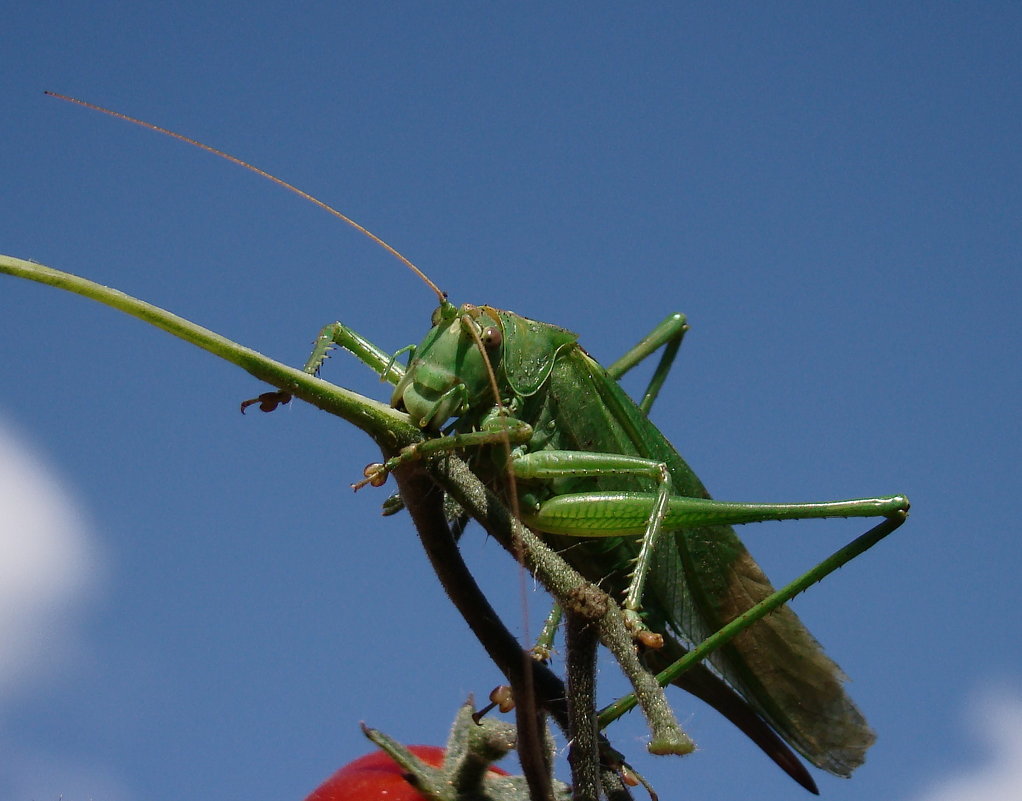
x,y
703,577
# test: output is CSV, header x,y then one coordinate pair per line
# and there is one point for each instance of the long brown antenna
x,y
251,167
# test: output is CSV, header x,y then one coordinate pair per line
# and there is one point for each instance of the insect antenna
x,y
529,717
441,295
512,492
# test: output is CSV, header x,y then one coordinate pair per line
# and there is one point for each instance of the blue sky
x,y
193,604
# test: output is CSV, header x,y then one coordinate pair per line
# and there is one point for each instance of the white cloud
x,y
49,564
996,717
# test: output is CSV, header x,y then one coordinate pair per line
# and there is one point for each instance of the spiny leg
x,y
648,514
548,465
618,514
376,359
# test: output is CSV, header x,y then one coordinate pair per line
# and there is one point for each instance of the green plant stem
x,y
387,426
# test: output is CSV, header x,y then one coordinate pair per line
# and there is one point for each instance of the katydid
x,y
591,474
602,484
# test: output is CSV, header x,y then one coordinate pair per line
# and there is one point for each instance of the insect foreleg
x,y
510,431
377,359
670,333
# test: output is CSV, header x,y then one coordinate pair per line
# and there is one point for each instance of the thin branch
x,y
424,502
581,638
387,426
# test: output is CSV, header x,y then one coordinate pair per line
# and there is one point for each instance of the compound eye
x,y
491,337
437,316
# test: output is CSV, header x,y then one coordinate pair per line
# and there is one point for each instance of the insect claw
x,y
628,776
642,635
268,401
631,778
650,639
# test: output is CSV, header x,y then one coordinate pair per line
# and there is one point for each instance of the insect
x,y
593,476
606,488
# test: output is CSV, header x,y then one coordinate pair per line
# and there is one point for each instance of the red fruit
x,y
377,777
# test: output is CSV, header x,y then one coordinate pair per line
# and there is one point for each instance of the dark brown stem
x,y
581,638
424,502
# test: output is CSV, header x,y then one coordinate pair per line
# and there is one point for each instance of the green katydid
x,y
603,485
597,480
